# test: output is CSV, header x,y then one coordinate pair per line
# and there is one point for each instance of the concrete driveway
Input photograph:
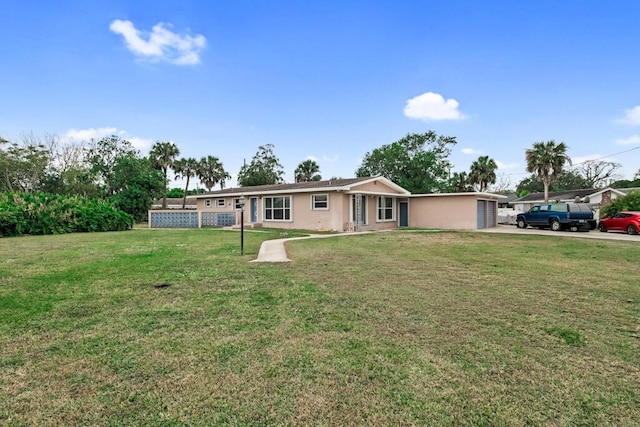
x,y
593,234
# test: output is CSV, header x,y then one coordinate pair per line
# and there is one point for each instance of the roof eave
x,y
470,193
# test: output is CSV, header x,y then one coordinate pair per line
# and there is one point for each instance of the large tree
x,y
483,172
546,160
23,167
417,162
308,170
264,169
186,169
210,172
626,183
137,184
69,171
163,156
102,157
459,183
598,173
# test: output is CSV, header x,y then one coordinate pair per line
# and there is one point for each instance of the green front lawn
x,y
173,327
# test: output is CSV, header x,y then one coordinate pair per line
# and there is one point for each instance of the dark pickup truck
x,y
558,216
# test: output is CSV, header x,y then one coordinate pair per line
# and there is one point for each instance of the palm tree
x,y
546,160
163,155
210,172
185,169
459,183
483,173
308,170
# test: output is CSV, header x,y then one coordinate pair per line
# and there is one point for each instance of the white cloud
x,y
432,106
631,116
161,44
91,133
140,143
330,159
503,165
632,140
99,133
471,151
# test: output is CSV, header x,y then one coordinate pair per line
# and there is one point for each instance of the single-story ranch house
x,y
354,204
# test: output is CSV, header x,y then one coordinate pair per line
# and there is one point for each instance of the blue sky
x,y
328,80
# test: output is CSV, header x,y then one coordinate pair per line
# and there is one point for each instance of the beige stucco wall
x,y
336,218
457,212
228,205
373,187
447,212
302,214
372,222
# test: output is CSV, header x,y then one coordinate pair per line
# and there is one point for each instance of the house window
x,y
385,209
277,208
220,203
319,201
207,203
236,204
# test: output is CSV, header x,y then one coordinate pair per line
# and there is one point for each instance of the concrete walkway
x,y
274,251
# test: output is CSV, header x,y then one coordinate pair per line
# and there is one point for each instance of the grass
x,y
173,327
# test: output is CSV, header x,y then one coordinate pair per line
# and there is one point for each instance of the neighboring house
x,y
523,204
372,203
606,195
507,202
174,203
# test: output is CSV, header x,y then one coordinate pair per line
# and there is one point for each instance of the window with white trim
x,y
236,204
220,203
385,209
277,208
207,203
319,202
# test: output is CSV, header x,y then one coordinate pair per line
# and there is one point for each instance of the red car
x,y
623,221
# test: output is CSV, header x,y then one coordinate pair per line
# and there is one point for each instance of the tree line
x,y
112,169
420,163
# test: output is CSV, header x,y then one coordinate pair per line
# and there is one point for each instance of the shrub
x,y
43,213
629,202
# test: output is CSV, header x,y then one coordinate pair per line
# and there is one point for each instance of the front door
x,y
404,214
254,209
359,209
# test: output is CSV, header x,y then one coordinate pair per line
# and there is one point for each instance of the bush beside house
x,y
43,213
